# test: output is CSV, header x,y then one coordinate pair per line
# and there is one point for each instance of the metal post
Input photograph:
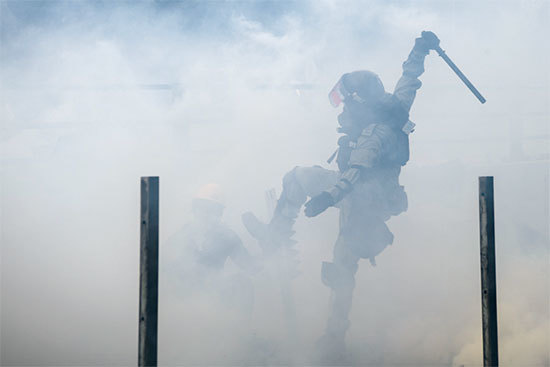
x,y
488,277
148,277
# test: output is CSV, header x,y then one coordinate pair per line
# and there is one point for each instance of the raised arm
x,y
413,67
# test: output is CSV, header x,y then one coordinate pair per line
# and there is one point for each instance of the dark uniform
x,y
366,188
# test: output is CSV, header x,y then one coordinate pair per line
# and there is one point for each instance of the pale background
x,y
95,94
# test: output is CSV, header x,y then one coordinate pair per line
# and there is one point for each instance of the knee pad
x,y
290,177
293,196
292,189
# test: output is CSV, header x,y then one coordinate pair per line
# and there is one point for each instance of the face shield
x,y
339,93
360,91
354,106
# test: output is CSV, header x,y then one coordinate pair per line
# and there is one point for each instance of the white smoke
x,y
96,94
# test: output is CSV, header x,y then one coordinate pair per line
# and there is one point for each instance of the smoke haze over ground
x,y
95,94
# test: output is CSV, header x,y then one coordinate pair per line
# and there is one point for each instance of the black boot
x,y
273,236
330,349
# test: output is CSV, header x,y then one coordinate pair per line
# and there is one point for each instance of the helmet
x,y
361,86
212,192
208,203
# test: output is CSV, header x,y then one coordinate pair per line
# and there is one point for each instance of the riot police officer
x,y
373,148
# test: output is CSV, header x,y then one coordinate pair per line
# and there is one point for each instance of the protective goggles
x,y
339,93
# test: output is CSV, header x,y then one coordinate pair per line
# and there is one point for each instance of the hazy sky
x,y
95,94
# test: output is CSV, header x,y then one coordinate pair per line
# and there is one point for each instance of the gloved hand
x,y
318,204
428,41
432,42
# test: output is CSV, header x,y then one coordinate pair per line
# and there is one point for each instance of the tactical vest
x,y
396,154
390,113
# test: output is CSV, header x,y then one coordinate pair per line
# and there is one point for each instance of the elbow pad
x,y
350,177
345,185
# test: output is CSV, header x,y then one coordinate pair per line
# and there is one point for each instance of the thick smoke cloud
x,y
96,94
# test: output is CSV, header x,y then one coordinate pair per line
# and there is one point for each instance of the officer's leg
x,y
298,184
339,276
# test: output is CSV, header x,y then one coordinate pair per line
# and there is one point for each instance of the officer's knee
x,y
290,177
293,191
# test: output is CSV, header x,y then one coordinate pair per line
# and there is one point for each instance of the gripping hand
x,y
428,41
432,42
318,204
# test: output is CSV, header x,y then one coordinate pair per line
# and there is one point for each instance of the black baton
x,y
459,73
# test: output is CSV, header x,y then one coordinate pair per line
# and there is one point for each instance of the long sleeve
x,y
408,84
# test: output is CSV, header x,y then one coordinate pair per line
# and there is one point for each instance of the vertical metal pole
x,y
148,277
488,274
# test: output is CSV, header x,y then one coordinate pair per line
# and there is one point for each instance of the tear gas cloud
x,y
96,94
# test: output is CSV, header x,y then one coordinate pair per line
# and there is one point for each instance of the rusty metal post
x,y
488,273
148,277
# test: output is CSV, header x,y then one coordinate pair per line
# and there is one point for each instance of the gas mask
x,y
360,91
354,118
